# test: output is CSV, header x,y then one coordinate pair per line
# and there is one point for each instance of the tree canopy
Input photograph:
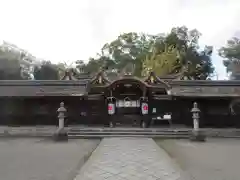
x,y
18,64
10,65
163,53
47,71
231,55
171,53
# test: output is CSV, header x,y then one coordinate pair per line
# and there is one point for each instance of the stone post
x,y
197,135
61,115
111,124
61,134
195,111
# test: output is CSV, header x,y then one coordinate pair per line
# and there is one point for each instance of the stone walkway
x,y
130,159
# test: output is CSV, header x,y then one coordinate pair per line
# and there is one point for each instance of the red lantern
x,y
111,109
144,108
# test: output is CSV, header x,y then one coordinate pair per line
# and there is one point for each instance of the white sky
x,y
69,30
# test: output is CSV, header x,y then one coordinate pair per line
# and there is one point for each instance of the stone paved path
x,y
130,159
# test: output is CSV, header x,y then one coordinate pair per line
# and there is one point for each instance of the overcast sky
x,y
68,30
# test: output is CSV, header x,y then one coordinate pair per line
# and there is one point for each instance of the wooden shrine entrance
x,y
126,95
128,112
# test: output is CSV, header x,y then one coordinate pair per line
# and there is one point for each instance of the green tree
x,y
47,71
127,48
10,68
231,55
179,49
93,65
15,63
164,63
199,63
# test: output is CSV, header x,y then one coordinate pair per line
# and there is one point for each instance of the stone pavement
x,y
216,159
41,159
130,159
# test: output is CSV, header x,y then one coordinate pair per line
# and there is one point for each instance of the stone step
x,y
130,130
48,131
148,132
129,133
173,136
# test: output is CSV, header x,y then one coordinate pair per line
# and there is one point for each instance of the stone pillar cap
x,y
62,108
195,108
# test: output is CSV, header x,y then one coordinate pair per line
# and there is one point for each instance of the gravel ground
x,y
39,159
216,159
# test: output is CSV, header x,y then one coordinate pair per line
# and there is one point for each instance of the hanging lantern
x,y
144,108
111,108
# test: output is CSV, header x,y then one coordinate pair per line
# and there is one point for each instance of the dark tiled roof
x,y
80,86
204,83
42,88
205,88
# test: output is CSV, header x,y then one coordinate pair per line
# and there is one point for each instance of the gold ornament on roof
x,y
100,79
152,79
